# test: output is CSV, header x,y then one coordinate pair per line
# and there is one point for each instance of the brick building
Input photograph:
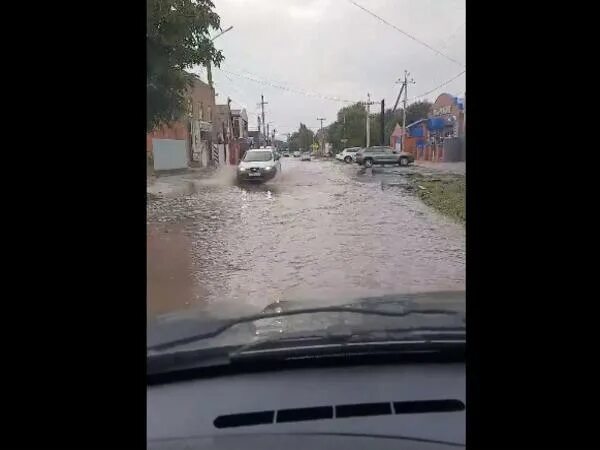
x,y
194,128
439,137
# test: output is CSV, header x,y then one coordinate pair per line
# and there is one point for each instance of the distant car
x,y
380,155
296,154
260,164
347,155
286,154
305,156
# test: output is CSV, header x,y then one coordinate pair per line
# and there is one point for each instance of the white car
x,y
260,164
348,154
305,156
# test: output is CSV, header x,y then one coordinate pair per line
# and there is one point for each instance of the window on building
x,y
209,113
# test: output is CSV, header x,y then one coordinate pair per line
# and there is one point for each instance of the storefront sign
x,y
443,110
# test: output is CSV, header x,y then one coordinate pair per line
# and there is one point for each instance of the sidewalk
x,y
457,168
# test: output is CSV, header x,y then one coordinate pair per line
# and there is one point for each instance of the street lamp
x,y
222,33
208,68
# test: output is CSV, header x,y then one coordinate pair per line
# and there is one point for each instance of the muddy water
x,y
320,232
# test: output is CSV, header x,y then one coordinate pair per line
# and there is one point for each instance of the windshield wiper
x,y
327,309
410,336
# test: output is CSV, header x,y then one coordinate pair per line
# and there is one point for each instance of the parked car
x,y
348,154
305,156
296,154
286,154
380,155
259,164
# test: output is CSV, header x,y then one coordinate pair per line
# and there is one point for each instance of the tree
x,y
351,124
301,139
177,38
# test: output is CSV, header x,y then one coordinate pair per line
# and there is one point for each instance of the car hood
x,y
181,326
259,164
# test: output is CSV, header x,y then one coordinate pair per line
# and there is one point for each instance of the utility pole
x,y
262,105
383,122
208,67
321,119
258,120
230,130
405,86
369,103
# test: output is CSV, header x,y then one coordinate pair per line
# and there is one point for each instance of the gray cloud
x,y
333,48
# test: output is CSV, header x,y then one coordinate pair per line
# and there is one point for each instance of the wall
x,y
445,105
202,98
177,130
194,129
222,117
170,154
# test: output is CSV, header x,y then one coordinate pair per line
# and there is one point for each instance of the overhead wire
x,y
438,87
408,34
277,85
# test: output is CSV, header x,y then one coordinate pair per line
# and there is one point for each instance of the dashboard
x,y
407,406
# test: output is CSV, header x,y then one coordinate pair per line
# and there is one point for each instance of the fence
x,y
451,150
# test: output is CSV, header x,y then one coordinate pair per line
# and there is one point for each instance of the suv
x,y
347,154
382,155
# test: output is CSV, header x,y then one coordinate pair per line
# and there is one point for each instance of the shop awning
x,y
439,123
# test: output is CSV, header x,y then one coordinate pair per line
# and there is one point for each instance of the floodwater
x,y
323,231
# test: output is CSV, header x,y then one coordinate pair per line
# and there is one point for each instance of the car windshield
x,y
369,207
258,156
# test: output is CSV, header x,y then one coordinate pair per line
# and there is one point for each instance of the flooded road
x,y
320,232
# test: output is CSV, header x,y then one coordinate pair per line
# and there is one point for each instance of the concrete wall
x,y
169,154
177,130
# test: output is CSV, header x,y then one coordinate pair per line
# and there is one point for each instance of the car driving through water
x,y
260,164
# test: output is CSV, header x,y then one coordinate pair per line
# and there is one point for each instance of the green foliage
x,y
354,128
301,139
444,193
177,38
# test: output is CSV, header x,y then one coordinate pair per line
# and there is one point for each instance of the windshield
x,y
258,156
234,229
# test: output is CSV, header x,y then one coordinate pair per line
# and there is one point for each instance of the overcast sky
x,y
333,48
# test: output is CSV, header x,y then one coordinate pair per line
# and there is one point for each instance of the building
x,y
447,117
230,133
256,139
396,137
239,123
439,137
192,133
446,129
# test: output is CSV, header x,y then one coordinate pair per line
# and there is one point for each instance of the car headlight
x,y
268,168
242,169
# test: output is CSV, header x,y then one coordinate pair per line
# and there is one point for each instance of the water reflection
x,y
319,232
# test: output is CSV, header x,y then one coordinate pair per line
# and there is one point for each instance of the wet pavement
x,y
322,232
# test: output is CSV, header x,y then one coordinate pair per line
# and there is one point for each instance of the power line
x,y
407,34
244,105
285,88
441,85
